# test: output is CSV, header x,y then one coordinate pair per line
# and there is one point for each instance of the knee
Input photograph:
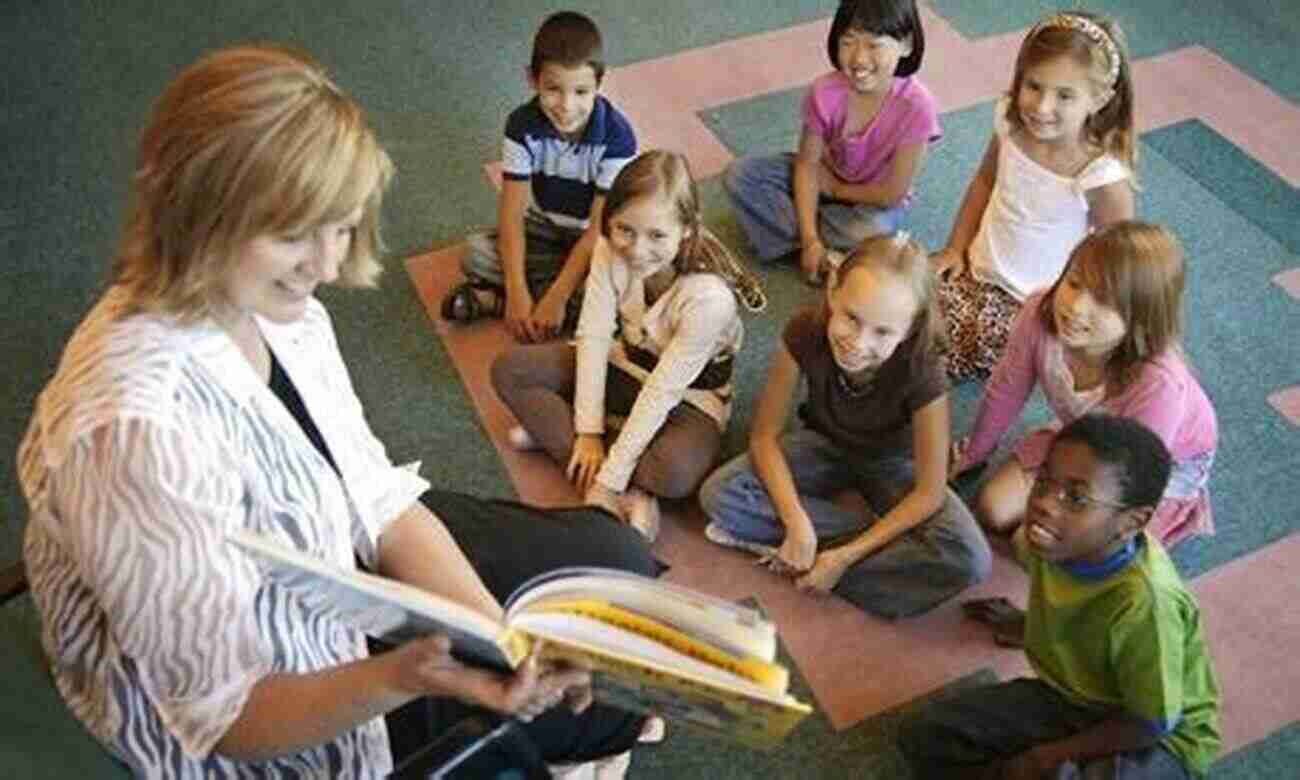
x,y
508,372
995,511
711,492
675,474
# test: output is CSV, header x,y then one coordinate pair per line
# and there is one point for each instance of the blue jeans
x,y
912,574
761,189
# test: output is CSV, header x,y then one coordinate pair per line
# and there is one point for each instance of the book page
x,y
730,627
380,607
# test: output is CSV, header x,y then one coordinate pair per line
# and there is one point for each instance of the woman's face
x,y
647,234
274,275
871,314
1083,321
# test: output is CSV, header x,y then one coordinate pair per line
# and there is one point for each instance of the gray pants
x,y
993,723
912,574
546,247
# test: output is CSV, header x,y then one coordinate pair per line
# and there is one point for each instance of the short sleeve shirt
x,y
877,422
1126,634
909,115
565,176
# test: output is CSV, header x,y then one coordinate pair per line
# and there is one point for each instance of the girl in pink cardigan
x,y
1105,337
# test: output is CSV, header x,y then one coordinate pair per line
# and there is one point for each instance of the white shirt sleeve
x,y
699,316
594,335
144,510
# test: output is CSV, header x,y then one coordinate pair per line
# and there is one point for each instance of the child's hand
x,y
948,263
601,496
588,455
548,314
826,572
519,312
827,181
797,553
811,259
957,453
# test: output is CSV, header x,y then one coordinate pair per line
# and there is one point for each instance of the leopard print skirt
x,y
979,317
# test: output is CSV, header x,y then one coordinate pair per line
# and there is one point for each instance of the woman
x,y
205,392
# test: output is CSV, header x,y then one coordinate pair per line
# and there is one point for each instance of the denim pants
x,y
761,189
912,574
991,723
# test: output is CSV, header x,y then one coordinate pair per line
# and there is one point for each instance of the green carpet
x,y
438,77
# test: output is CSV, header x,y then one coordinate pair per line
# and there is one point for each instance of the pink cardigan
x,y
1165,397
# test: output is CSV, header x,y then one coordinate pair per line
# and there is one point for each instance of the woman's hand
x,y
584,463
426,667
826,572
948,263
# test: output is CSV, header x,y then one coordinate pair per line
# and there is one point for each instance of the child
x,y
1061,160
1124,680
876,422
656,341
865,128
561,151
1105,336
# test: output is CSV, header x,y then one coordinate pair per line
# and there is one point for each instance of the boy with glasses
x,y
1125,687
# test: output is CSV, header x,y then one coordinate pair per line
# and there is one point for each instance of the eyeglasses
x,y
1072,499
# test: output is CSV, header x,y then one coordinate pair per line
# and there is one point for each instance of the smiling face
x,y
1084,322
647,233
1074,511
871,313
567,96
1055,99
869,60
274,275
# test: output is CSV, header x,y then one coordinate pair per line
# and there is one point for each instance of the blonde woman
x,y
205,393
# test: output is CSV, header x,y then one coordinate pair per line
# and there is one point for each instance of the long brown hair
x,y
667,174
1137,269
246,141
1111,128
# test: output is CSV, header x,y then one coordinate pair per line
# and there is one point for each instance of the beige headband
x,y
1094,33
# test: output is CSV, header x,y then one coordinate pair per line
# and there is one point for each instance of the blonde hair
x,y
904,257
246,141
1137,269
668,175
1091,41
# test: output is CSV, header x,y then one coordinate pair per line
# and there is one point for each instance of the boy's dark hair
x,y
898,19
1140,458
570,39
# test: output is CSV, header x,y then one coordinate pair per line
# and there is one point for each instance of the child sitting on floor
x,y
562,149
1125,687
876,422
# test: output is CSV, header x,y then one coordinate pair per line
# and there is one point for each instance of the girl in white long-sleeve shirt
x,y
656,342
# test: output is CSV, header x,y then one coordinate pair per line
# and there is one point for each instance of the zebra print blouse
x,y
149,444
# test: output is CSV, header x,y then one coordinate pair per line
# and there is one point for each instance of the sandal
x,y
463,304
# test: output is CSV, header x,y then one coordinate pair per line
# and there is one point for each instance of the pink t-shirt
x,y
909,116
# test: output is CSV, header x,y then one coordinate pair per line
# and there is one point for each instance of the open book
x,y
651,646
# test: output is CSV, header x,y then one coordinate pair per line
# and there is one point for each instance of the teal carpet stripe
x,y
1244,185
